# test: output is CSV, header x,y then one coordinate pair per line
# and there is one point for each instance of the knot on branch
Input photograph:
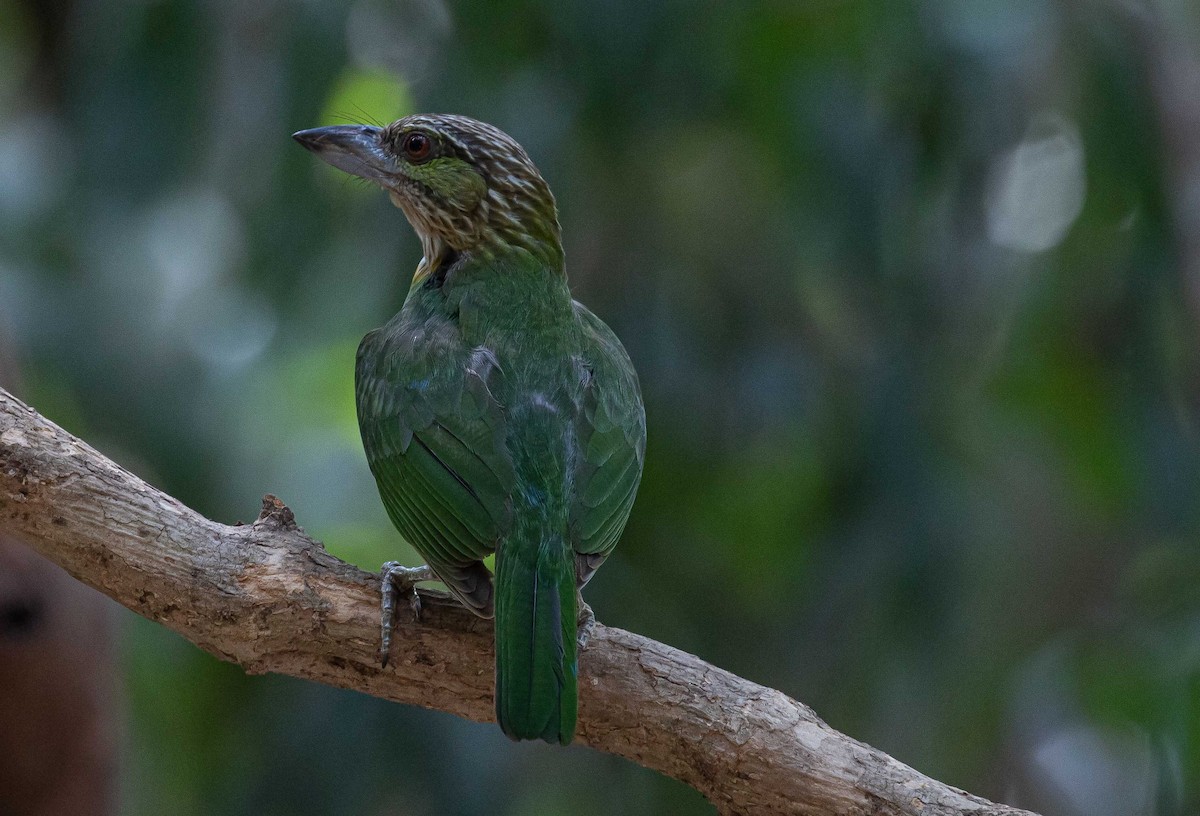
x,y
276,514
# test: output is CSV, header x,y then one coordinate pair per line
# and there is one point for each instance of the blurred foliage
x,y
899,280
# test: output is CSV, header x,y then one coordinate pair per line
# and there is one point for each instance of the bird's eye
x,y
416,146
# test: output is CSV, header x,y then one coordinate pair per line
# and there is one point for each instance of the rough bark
x,y
58,734
271,599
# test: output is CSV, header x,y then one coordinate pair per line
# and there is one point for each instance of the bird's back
x,y
445,392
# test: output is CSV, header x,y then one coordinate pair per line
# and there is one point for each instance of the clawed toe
x,y
397,579
585,625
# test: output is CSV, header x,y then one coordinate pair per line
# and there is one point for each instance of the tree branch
x,y
271,599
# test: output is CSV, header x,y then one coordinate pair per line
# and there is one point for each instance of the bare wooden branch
x,y
271,599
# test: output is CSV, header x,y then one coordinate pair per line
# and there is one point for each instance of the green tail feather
x,y
536,687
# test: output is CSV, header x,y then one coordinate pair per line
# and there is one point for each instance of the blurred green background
x,y
907,285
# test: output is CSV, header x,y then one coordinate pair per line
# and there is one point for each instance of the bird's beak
x,y
353,149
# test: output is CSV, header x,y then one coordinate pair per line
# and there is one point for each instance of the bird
x,y
498,414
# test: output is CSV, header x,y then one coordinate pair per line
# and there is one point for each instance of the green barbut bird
x,y
497,413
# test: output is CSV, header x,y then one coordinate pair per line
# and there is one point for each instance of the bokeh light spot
x,y
1037,189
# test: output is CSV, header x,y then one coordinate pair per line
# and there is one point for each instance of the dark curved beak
x,y
354,149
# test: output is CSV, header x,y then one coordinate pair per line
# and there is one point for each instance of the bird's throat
x,y
435,251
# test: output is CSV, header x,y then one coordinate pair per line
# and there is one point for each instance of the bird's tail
x,y
536,686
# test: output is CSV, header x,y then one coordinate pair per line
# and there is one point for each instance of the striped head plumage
x,y
464,185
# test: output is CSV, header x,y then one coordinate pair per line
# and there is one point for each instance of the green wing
x,y
433,432
612,437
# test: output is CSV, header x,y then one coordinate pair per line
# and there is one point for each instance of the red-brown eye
x,y
416,146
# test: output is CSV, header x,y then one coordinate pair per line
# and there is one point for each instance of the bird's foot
x,y
585,625
396,580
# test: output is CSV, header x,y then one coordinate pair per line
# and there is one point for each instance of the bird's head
x,y
465,186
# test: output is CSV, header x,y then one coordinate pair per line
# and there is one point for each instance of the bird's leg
x,y
398,579
586,622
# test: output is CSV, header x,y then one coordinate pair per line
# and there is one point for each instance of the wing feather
x,y
611,428
433,433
